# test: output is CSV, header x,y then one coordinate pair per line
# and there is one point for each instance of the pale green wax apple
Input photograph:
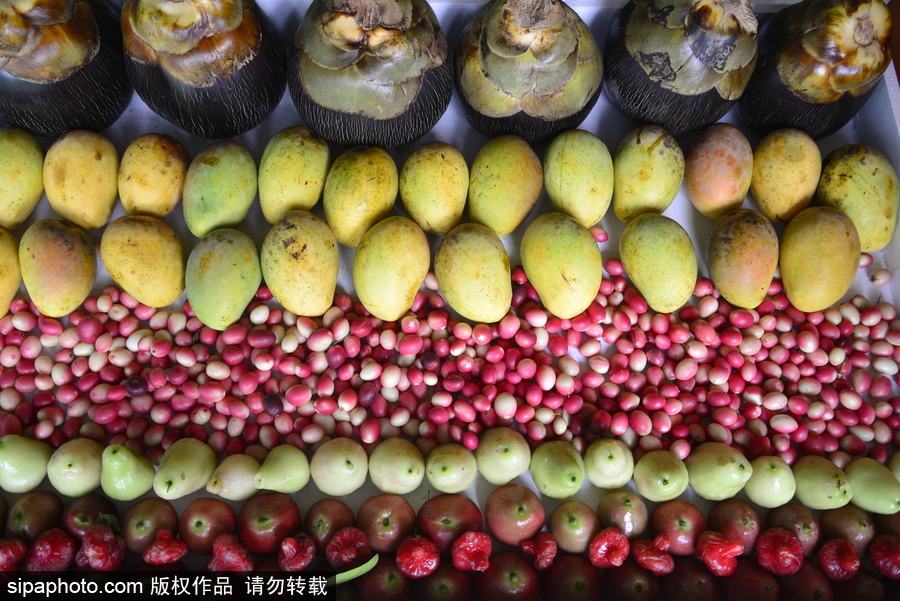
x,y
875,488
772,482
23,462
233,478
74,469
285,469
339,466
185,467
502,454
396,466
608,463
821,484
717,471
451,468
894,465
660,476
557,469
125,476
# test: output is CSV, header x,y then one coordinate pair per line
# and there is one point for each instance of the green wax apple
x,y
185,467
451,468
396,466
285,469
660,476
608,463
125,476
875,488
557,469
821,484
233,478
339,466
74,469
772,482
23,462
502,454
717,471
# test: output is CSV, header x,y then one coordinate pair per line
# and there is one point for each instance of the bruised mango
x,y
472,271
360,190
292,172
819,257
222,277
505,181
562,262
300,262
81,173
58,265
21,175
647,172
578,176
434,183
10,273
743,256
389,266
786,168
861,182
151,175
219,188
144,256
718,166
659,257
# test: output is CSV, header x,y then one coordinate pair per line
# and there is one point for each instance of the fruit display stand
x,y
877,125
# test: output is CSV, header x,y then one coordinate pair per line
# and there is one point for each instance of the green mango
x,y
875,488
185,467
821,484
219,188
716,471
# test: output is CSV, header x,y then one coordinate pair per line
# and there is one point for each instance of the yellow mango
x,y
10,273
292,172
578,176
58,265
151,175
786,168
21,176
219,188
434,183
743,256
81,174
647,172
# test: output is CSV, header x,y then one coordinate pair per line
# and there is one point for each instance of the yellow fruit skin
x,y
300,263
389,266
81,174
472,270
292,172
578,176
647,170
10,273
505,181
151,175
659,257
58,265
819,257
219,188
743,256
434,183
718,166
144,256
786,168
562,262
360,190
21,176
861,182
222,277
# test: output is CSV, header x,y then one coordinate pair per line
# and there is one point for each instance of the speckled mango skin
x,y
58,265
144,256
151,175
434,184
300,263
472,270
292,172
743,256
562,262
360,190
659,257
786,168
861,182
219,187
222,276
21,176
718,165
505,180
10,273
648,169
578,176
819,257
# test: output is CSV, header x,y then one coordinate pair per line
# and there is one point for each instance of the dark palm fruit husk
x,y
216,74
680,64
61,66
370,72
819,62
527,67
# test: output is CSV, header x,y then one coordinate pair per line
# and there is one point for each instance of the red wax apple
x,y
681,521
801,521
446,517
630,582
384,582
324,518
571,578
447,583
809,583
689,581
144,519
750,582
81,512
386,520
509,577
33,512
266,519
737,520
202,521
514,513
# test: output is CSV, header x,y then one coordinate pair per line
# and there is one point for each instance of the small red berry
x,y
12,552
347,549
542,550
653,555
229,555
296,552
53,551
609,548
718,553
884,552
471,552
101,549
165,549
779,551
417,556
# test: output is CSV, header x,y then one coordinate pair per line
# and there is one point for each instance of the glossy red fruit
x,y
447,583
32,513
348,549
514,513
472,551
386,519
384,582
808,583
229,555
718,553
801,521
884,553
81,513
202,521
653,555
417,556
690,581
324,518
779,551
166,549
542,549
571,578
737,520
630,582
296,552
53,551
865,586
265,520
681,521
510,577
838,559
750,582
445,517
12,552
609,548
